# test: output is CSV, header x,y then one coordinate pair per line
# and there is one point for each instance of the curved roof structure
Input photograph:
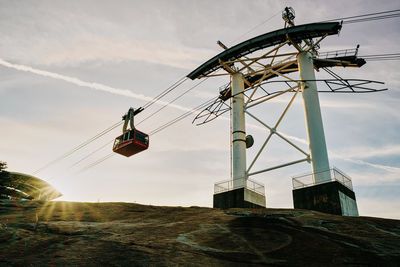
x,y
20,185
295,33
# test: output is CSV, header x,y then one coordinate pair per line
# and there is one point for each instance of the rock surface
x,y
34,233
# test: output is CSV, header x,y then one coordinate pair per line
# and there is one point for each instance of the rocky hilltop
x,y
34,233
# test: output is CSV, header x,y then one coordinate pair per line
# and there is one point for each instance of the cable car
x,y
132,141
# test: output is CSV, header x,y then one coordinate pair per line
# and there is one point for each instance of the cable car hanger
x,y
129,117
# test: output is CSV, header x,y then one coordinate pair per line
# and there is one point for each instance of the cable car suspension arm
x,y
129,118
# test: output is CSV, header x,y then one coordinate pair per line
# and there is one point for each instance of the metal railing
x,y
239,183
307,180
339,53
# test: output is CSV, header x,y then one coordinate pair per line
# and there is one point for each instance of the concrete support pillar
x,y
315,129
239,175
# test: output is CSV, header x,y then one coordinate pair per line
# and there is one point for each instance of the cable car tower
x,y
256,64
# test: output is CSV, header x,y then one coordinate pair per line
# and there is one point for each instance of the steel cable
x,y
361,16
172,101
97,162
392,56
65,155
157,130
180,117
165,92
82,145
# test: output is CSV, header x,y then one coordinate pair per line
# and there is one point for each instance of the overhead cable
x,y
172,101
381,57
164,106
65,155
366,17
96,162
165,92
371,18
148,104
91,153
181,117
157,130
255,27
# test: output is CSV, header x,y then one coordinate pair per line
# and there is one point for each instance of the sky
x,y
70,69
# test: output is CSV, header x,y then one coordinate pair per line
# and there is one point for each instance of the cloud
x,y
378,207
368,152
71,33
124,49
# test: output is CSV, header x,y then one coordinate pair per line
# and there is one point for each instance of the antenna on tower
x,y
288,16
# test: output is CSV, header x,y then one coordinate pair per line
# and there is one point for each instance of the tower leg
x,y
237,193
239,176
315,129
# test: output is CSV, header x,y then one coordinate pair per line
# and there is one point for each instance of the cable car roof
x,y
296,33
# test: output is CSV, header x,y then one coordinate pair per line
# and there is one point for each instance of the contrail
x,y
92,85
377,166
362,162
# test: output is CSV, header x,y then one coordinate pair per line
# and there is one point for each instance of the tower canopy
x,y
295,33
24,186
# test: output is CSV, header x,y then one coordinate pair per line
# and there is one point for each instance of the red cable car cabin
x,y
131,142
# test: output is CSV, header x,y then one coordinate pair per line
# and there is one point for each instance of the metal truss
x,y
338,85
273,131
213,111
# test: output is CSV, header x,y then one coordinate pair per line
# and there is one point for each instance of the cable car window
x,y
141,137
